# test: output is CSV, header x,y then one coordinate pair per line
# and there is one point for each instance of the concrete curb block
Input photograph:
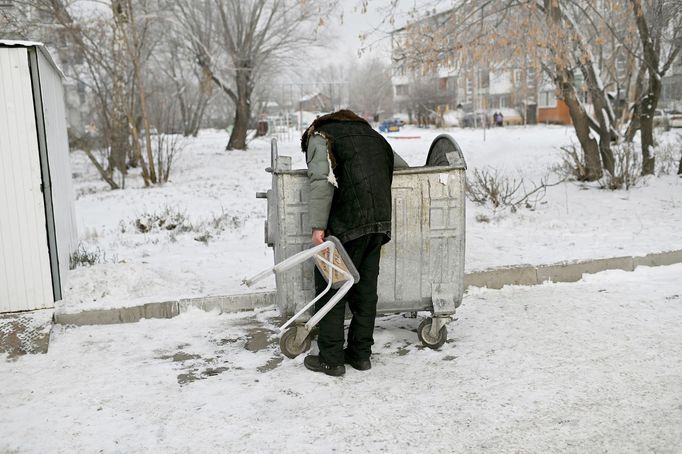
x,y
659,258
573,271
229,303
497,278
494,278
166,309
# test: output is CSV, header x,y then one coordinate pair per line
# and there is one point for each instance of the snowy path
x,y
594,366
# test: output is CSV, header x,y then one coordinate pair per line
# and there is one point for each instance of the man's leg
x,y
330,337
362,300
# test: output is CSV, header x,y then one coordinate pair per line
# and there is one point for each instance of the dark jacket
x,y
362,163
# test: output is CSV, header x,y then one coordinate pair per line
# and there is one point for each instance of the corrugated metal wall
x,y
25,279
54,116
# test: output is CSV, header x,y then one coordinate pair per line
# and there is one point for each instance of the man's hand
x,y
318,237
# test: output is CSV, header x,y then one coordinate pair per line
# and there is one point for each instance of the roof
x,y
313,96
40,46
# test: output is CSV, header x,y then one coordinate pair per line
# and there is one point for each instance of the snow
x,y
593,366
572,222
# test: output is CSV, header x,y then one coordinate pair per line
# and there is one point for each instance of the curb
x,y
571,271
494,278
166,309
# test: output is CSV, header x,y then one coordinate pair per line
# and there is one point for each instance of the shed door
x,y
25,278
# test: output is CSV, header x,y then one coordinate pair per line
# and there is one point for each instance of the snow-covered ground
x,y
214,192
593,366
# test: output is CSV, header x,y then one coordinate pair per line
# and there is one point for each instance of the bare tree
x,y
234,41
370,87
119,90
659,24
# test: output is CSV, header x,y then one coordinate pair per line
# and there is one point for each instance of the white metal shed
x,y
37,217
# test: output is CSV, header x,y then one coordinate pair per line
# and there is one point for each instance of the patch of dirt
x,y
259,339
271,364
180,357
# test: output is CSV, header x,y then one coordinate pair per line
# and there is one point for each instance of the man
x,y
350,167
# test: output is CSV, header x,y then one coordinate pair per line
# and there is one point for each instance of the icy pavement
x,y
593,366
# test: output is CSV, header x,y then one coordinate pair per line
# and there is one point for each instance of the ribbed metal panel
x,y
54,117
25,280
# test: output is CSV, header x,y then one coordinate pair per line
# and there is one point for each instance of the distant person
x,y
350,167
500,119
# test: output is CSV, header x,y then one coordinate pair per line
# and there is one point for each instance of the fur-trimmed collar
x,y
341,115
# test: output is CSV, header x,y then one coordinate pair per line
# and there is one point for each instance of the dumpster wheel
x,y
290,346
424,334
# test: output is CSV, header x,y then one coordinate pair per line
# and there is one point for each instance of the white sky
x,y
345,36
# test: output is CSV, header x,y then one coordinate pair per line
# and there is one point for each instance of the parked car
x,y
475,120
661,120
675,118
392,125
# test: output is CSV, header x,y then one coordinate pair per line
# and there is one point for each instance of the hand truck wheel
x,y
288,344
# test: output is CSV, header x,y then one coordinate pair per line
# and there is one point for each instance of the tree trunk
x,y
107,177
601,110
132,45
634,125
119,117
198,115
137,151
564,82
647,109
242,113
581,125
604,137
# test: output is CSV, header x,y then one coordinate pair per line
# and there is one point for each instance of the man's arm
x,y
321,190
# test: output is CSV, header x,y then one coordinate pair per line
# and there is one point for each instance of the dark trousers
x,y
365,253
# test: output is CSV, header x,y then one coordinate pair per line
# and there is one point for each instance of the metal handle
x,y
261,195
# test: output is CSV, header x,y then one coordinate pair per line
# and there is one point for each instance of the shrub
x,y
572,166
627,168
169,219
85,257
489,186
668,157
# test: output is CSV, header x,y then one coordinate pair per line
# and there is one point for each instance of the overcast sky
x,y
345,35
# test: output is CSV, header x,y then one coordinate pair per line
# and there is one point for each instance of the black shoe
x,y
314,363
358,364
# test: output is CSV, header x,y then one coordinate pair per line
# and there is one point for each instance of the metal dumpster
x,y
421,268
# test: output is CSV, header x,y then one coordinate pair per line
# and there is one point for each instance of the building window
x,y
402,90
484,78
620,67
547,99
530,77
452,84
504,101
516,77
443,84
469,90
